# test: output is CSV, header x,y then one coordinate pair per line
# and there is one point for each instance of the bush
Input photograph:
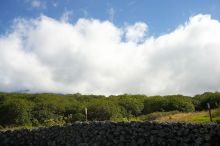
x,y
52,122
75,112
153,104
131,105
35,123
200,101
179,103
16,111
43,112
168,103
103,110
75,117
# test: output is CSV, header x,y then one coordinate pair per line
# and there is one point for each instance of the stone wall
x,y
116,134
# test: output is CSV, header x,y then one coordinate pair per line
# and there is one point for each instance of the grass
x,y
149,117
193,117
15,127
154,116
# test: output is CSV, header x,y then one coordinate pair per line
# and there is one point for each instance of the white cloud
x,y
66,16
38,4
111,12
136,32
91,57
55,4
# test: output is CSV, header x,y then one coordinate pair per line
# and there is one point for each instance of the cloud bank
x,y
97,57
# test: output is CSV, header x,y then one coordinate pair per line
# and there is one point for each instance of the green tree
x,y
16,111
103,110
200,101
168,103
132,105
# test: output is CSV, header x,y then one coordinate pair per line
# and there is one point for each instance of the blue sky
x,y
161,15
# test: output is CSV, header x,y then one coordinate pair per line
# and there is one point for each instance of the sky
x,y
108,47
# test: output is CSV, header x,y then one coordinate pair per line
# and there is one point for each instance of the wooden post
x,y
86,113
210,114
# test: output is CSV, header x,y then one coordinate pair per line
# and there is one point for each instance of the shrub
x,y
153,104
16,111
103,110
179,103
52,122
35,122
75,117
131,105
168,103
200,101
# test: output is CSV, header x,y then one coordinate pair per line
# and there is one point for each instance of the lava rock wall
x,y
115,134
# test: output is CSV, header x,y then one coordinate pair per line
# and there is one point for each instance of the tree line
x,y
48,109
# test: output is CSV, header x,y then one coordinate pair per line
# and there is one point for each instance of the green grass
x,y
205,116
192,117
156,115
149,117
15,127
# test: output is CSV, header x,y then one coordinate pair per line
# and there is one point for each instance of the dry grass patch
x,y
193,117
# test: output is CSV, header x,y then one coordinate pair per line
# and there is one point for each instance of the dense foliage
x,y
48,109
168,103
200,101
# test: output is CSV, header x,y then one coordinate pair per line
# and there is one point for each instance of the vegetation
x,y
168,103
192,117
23,109
156,115
200,101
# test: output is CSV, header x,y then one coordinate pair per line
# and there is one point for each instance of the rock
x,y
151,139
162,134
141,141
83,144
198,140
122,138
113,133
207,137
173,142
206,144
133,143
154,131
186,131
